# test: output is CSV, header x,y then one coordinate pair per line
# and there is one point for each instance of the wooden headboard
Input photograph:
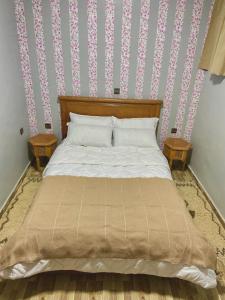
x,y
120,108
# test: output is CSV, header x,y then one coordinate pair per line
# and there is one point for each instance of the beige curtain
x,y
213,56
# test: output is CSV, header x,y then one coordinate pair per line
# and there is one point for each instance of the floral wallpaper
x,y
174,53
149,49
25,65
142,47
199,80
125,47
159,47
41,61
189,61
92,46
57,46
74,46
109,46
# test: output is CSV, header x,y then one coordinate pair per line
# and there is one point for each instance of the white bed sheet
x,y
113,162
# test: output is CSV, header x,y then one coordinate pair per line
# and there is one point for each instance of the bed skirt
x,y
206,278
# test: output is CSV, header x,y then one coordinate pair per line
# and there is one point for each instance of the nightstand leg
x,y
184,165
38,163
170,163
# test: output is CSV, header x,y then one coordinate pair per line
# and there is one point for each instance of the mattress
x,y
114,162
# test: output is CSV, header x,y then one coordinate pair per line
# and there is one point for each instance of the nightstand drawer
x,y
39,151
44,150
179,154
174,154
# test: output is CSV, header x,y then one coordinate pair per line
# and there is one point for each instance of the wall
x,y
13,116
208,159
147,48
150,49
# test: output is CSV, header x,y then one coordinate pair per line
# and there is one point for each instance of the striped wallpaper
x,y
147,48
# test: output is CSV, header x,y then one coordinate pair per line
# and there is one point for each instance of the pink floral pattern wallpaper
x,y
199,81
80,46
171,76
194,103
92,46
109,46
159,47
142,47
25,65
75,50
125,47
41,60
57,45
189,64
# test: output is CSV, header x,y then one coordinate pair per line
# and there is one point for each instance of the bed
x,y
109,209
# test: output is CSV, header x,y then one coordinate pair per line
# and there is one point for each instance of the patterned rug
x,y
204,216
197,203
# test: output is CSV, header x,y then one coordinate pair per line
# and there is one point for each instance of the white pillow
x,y
85,135
91,120
134,137
147,123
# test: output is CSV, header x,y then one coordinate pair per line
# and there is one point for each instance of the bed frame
x,y
120,108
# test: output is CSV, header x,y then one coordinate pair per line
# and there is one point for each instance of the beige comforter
x,y
80,217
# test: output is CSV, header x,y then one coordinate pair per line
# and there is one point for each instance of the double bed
x,y
109,209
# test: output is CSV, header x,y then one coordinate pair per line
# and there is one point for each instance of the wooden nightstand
x,y
176,149
43,145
